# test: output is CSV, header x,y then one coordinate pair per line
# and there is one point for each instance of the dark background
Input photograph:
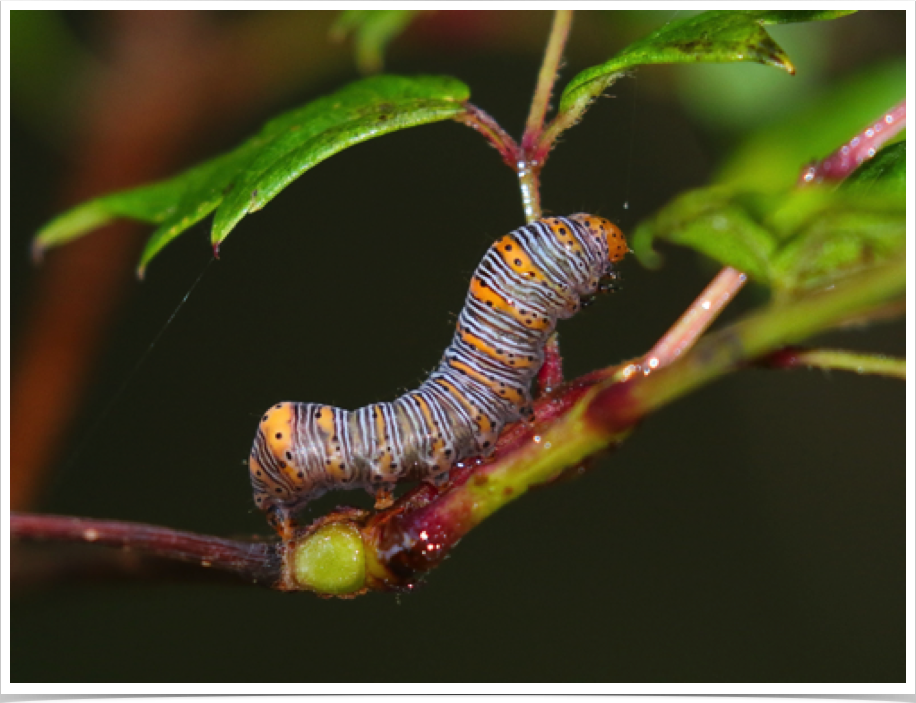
x,y
753,531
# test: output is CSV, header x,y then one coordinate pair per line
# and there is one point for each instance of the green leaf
x,y
373,30
298,141
886,171
711,221
791,242
719,36
245,179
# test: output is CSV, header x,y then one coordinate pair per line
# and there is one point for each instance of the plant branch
x,y
553,54
392,549
860,148
499,139
588,417
257,561
836,359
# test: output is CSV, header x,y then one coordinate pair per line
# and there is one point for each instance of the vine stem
x,y
258,561
860,148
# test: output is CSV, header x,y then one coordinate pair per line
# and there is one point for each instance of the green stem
x,y
838,360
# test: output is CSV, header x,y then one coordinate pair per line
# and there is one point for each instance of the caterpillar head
x,y
606,230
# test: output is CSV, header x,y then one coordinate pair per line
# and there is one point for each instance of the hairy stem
x,y
570,116
553,54
499,139
838,360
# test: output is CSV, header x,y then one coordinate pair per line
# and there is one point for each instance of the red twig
x,y
861,147
257,561
479,120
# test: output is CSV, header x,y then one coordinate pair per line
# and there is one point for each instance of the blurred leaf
x,y
732,98
772,158
245,179
791,242
886,171
717,36
45,61
373,30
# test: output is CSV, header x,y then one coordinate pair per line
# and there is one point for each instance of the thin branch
x,y
860,148
553,54
257,561
838,360
696,319
477,119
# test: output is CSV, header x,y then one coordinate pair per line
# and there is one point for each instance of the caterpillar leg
x,y
439,480
384,498
282,522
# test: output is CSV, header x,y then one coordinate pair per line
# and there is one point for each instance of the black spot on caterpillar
x,y
527,280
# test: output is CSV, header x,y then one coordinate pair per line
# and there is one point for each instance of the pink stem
x,y
860,148
696,319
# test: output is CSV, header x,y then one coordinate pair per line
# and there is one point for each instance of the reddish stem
x,y
861,147
477,119
258,561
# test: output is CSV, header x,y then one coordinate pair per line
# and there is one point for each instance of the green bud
x,y
331,560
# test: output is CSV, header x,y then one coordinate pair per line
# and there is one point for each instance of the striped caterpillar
x,y
526,281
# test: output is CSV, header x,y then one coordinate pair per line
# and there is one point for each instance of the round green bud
x,y
331,560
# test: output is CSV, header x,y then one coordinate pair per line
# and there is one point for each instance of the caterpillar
x,y
527,280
